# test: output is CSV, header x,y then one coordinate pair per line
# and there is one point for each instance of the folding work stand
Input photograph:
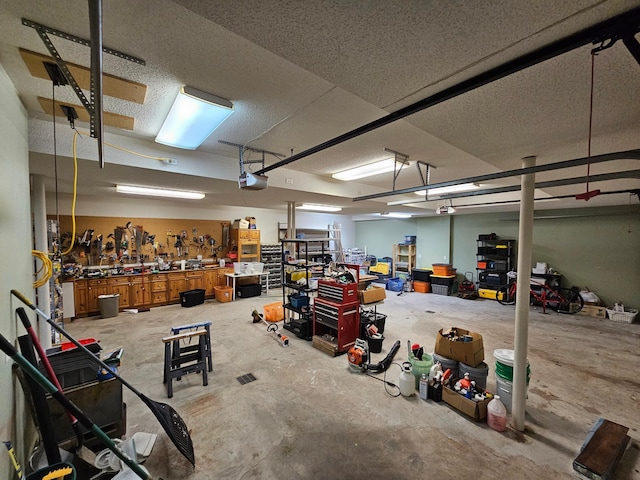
x,y
182,361
195,326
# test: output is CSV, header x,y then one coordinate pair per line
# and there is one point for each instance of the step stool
x,y
184,361
197,326
602,450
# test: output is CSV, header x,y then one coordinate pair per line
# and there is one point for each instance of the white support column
x,y
291,220
525,242
39,207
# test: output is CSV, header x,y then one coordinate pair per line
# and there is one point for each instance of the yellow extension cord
x,y
47,265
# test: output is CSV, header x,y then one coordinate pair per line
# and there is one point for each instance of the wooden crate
x,y
325,346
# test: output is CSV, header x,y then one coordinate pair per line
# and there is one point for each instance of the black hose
x,y
384,364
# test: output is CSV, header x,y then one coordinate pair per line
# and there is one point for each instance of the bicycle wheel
x,y
506,295
570,301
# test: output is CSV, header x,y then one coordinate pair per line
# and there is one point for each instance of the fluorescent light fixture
x,y
319,208
383,166
463,187
192,118
159,192
394,214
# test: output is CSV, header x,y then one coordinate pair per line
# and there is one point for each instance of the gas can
x,y
424,386
407,382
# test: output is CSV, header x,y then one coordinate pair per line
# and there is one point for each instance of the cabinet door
x,y
176,285
222,279
81,299
94,290
194,280
140,292
210,278
123,291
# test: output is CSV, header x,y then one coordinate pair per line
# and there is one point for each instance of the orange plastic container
x,y
443,269
224,294
274,312
422,287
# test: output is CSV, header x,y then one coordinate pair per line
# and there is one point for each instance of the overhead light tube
x,y
383,166
319,208
192,118
463,187
159,192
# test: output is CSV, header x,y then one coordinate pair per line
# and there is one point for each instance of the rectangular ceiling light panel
x,y
383,166
463,187
319,208
158,192
192,118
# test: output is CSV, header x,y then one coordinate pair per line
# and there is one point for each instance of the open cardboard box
x,y
470,353
372,294
476,410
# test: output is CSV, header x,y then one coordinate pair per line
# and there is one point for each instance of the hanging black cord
x,y
55,155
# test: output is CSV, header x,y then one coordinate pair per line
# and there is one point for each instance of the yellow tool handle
x,y
59,473
23,299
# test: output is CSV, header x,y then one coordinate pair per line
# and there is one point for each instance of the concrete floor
x,y
308,416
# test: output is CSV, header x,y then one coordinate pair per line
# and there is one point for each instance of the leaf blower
x,y
384,364
358,356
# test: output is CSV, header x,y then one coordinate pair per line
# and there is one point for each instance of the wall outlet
x,y
170,161
289,181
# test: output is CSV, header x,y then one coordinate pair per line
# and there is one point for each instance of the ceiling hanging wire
x,y
590,193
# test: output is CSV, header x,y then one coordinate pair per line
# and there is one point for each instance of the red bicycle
x,y
562,300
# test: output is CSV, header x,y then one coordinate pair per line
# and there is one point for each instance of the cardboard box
x,y
471,353
476,410
594,311
372,294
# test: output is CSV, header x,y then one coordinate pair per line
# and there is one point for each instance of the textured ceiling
x,y
301,73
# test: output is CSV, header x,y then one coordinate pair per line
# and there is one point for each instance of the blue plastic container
x,y
395,284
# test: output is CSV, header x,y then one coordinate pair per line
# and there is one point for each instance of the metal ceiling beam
x,y
607,157
82,41
95,28
540,185
608,30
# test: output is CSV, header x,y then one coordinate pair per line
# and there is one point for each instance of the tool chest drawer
x,y
338,292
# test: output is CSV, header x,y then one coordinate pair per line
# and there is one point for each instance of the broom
x,y
169,419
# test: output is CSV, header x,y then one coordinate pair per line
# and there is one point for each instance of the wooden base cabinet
x,y
159,291
81,297
177,284
95,288
122,287
194,280
140,291
148,290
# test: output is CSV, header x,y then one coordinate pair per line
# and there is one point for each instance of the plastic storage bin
x,y
223,293
246,291
299,301
440,289
395,284
273,312
109,305
191,298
